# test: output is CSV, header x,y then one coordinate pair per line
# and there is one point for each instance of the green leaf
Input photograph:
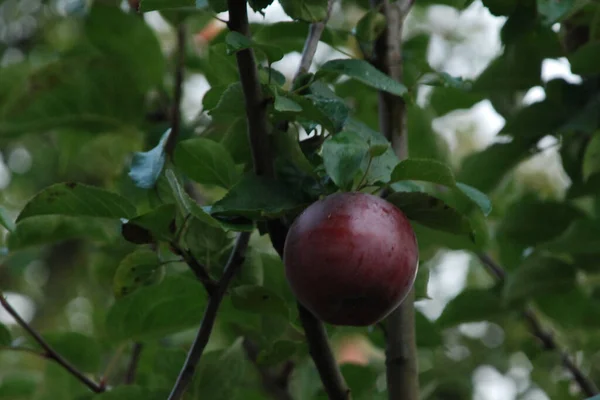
x,y
518,68
305,10
156,5
230,104
236,41
47,229
471,305
423,141
288,148
423,170
573,309
421,282
331,113
86,92
259,5
538,275
285,104
280,351
381,167
132,392
80,350
446,99
220,376
257,197
158,224
370,26
591,158
5,336
361,379
431,212
146,167
116,33
18,387
343,155
530,222
154,311
6,220
477,197
553,11
76,199
258,299
586,60
187,205
206,162
485,169
208,244
138,269
581,237
428,334
364,72
377,150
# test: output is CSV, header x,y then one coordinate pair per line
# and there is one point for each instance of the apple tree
x,y
202,201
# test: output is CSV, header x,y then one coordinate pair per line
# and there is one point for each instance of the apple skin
x,y
351,258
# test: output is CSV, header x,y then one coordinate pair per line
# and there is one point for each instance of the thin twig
x,y
110,367
236,259
312,41
49,352
133,363
197,268
274,382
177,91
401,351
546,338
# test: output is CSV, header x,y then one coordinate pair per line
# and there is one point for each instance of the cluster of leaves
x,y
134,223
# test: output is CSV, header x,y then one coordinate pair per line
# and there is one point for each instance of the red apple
x,y
351,258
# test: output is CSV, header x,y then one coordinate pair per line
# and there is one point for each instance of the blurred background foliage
x,y
515,111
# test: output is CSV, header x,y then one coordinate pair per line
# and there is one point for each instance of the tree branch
x,y
256,112
321,353
133,363
312,41
49,352
197,268
178,90
315,332
545,337
263,165
401,351
236,259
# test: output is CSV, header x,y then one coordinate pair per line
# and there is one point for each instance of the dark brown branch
x,y
133,363
321,353
256,112
545,337
197,268
401,351
315,332
274,382
234,263
263,165
49,352
178,90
